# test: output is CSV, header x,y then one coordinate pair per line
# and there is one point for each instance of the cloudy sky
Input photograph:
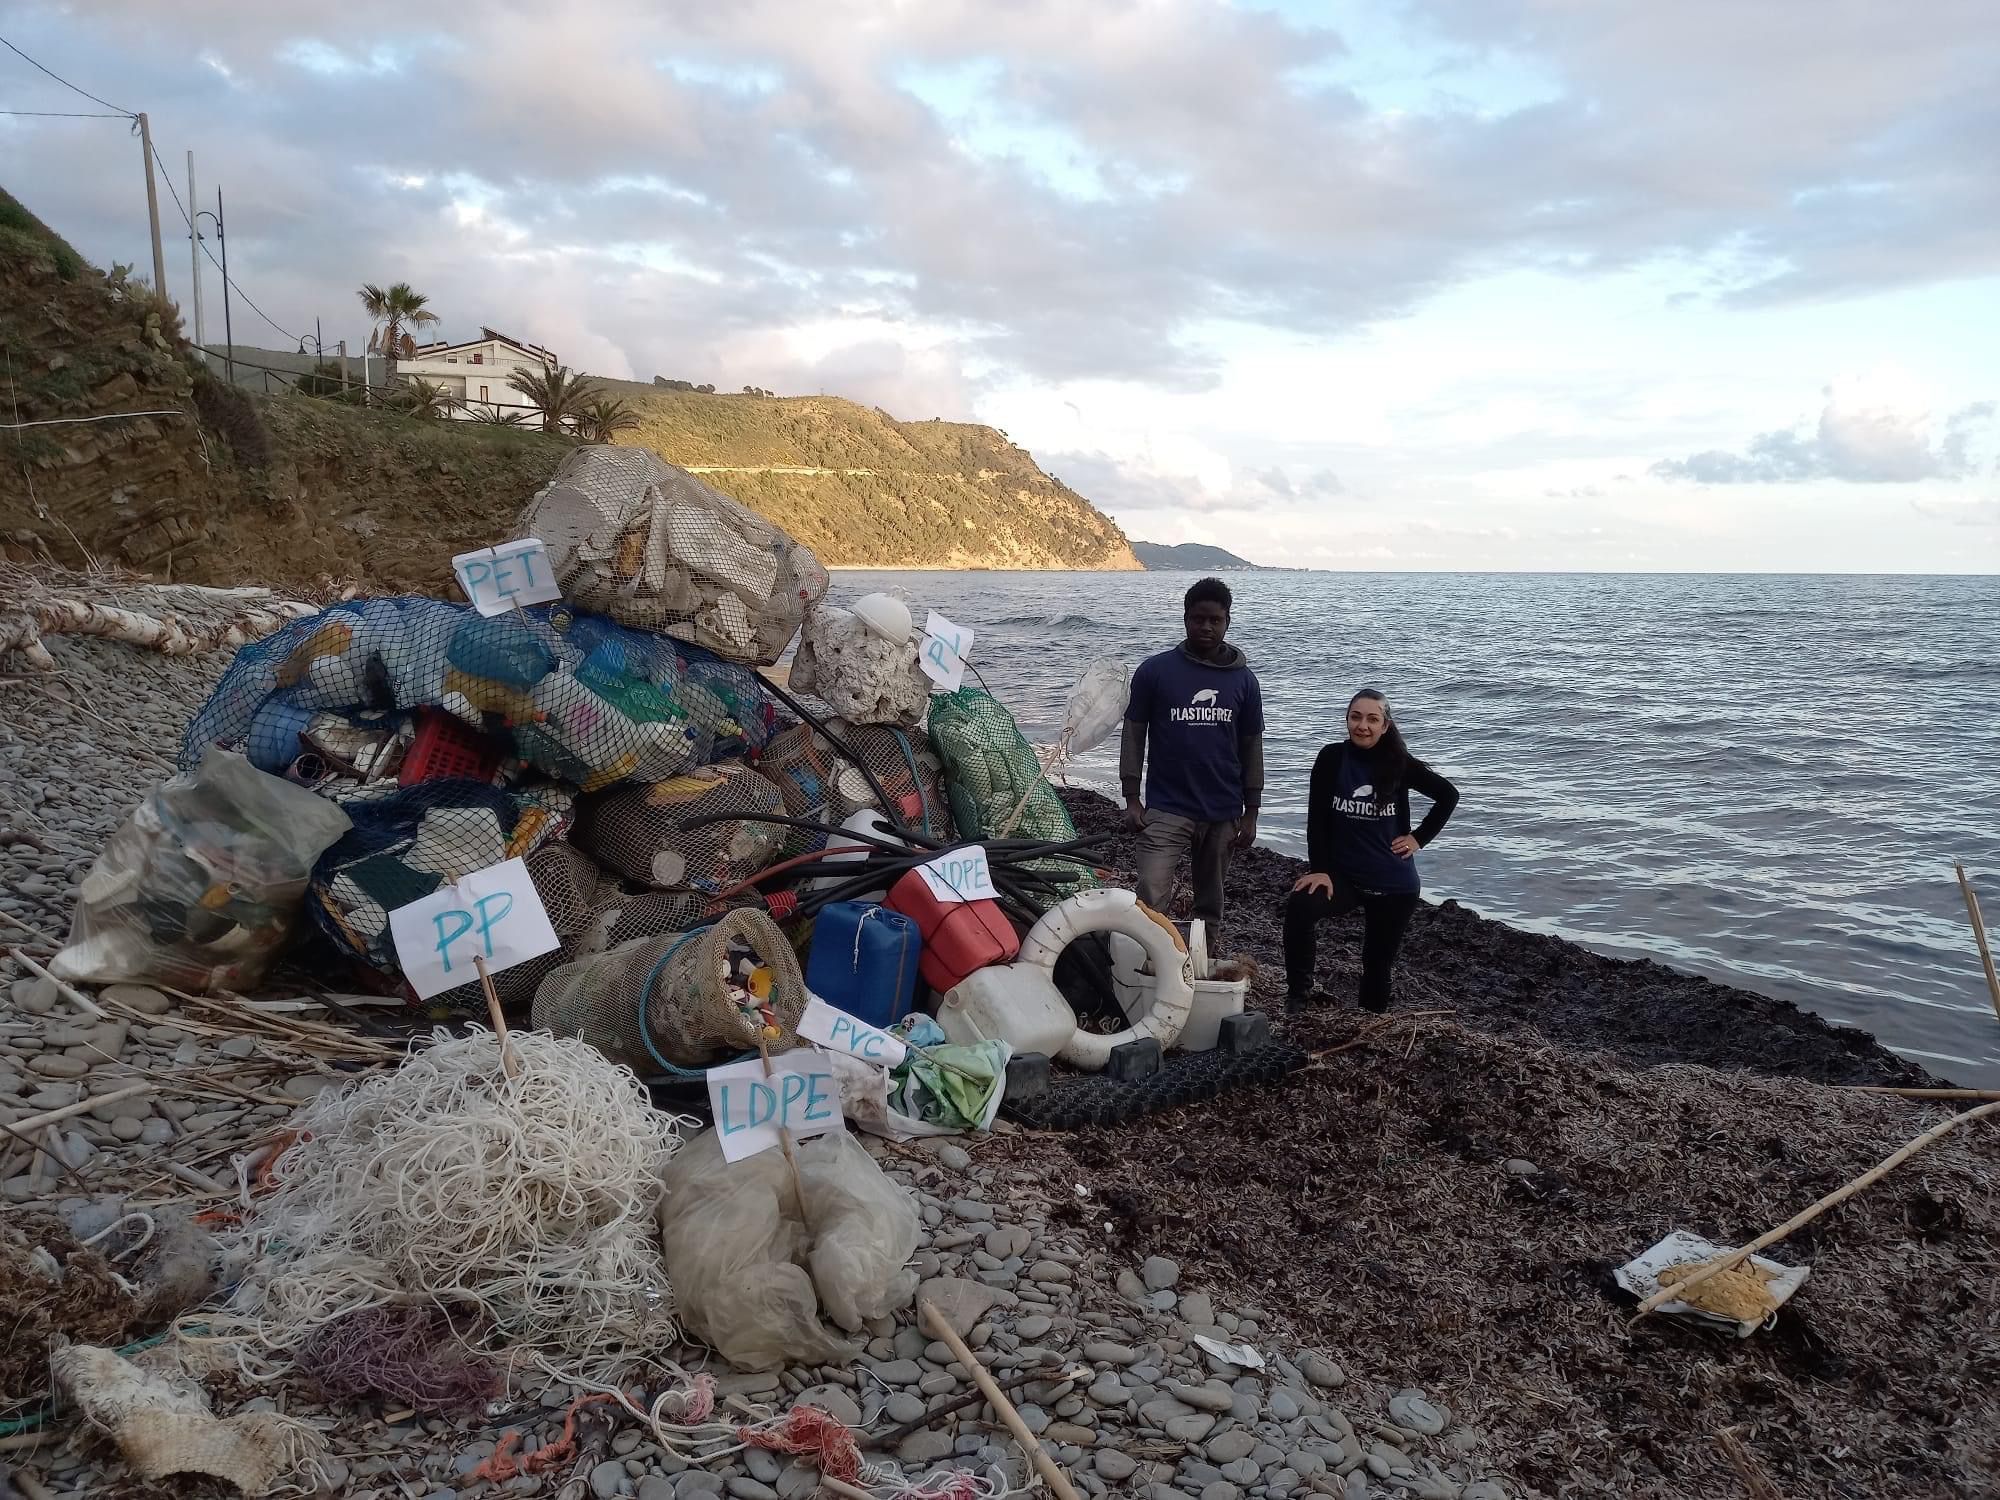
x,y
1712,284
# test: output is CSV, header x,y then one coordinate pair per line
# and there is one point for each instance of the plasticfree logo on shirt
x,y
1203,709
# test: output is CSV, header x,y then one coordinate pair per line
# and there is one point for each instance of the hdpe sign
x,y
801,1096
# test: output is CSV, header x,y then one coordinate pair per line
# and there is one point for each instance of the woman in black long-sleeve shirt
x,y
1360,850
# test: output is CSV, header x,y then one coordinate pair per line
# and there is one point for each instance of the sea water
x,y
1761,779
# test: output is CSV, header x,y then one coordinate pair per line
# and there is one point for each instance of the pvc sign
x,y
943,652
962,875
492,914
835,1028
496,579
801,1096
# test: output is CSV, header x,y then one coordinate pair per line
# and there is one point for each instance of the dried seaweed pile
x,y
1368,1204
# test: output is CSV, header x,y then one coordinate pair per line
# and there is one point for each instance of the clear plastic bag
x,y
201,885
1096,705
750,1277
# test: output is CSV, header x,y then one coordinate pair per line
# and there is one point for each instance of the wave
x,y
1054,622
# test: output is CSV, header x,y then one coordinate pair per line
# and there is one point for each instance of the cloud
x,y
1873,429
1072,194
1961,512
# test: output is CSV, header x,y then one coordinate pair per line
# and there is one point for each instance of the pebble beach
x,y
1098,1260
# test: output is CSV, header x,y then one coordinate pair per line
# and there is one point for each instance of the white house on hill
x,y
476,372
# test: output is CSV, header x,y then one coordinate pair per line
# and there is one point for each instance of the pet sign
x,y
962,875
841,1032
492,914
496,579
801,1096
943,652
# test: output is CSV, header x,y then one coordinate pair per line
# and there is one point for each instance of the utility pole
x,y
342,346
153,207
194,256
228,333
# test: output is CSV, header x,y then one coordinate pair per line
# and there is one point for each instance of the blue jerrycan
x,y
863,960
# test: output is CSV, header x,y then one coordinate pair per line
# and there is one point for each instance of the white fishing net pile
x,y
531,1200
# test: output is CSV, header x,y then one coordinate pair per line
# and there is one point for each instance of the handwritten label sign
x,y
962,875
492,914
496,579
944,652
835,1028
801,1096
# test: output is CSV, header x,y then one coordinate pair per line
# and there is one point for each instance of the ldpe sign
x,y
961,875
492,914
496,579
801,1096
835,1028
943,652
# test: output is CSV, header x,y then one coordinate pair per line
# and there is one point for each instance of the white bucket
x,y
1214,999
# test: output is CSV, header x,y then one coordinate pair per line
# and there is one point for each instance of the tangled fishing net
x,y
526,1205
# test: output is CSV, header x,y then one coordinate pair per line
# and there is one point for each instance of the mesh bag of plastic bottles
x,y
573,695
663,1003
637,831
407,843
821,784
650,545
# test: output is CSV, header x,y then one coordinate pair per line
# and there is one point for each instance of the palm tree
x,y
603,418
395,313
557,393
425,399
498,416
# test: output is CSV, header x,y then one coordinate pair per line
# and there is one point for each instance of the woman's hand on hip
x,y
1405,846
1321,883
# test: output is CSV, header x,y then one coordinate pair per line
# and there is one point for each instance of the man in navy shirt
x,y
1197,715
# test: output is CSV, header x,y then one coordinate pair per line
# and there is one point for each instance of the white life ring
x,y
1117,911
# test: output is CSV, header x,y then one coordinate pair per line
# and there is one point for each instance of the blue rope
x,y
645,997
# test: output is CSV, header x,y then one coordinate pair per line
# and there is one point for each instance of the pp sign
x,y
496,579
962,875
943,652
838,1030
492,914
801,1096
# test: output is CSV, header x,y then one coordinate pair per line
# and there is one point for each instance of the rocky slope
x,y
865,490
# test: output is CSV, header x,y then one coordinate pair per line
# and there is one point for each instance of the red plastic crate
x,y
446,746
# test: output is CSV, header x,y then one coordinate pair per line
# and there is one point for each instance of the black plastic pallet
x,y
1075,1101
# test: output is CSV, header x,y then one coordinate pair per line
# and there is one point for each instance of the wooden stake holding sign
x,y
488,922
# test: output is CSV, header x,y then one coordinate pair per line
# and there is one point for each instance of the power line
x,y
128,114
233,283
65,114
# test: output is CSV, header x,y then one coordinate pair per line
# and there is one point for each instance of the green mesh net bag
x,y
993,781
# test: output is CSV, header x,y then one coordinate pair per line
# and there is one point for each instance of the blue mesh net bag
x,y
575,696
406,843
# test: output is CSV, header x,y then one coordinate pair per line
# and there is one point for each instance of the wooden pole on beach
x,y
1798,1221
1979,936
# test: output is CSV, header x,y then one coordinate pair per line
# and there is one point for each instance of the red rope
x,y
503,1466
816,1435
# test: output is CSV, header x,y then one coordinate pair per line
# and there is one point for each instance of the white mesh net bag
x,y
650,545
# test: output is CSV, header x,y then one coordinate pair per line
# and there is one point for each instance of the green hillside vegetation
x,y
865,490
25,237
